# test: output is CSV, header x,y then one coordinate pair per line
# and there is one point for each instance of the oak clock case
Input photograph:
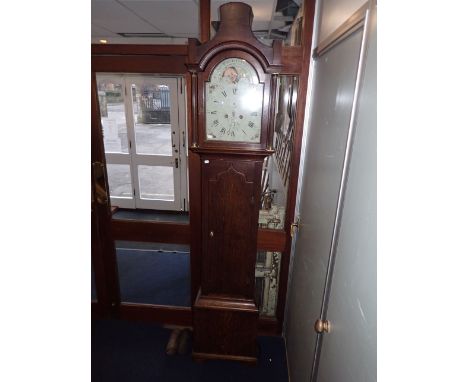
x,y
232,135
234,139
235,97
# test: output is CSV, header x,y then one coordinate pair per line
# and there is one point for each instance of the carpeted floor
x,y
124,351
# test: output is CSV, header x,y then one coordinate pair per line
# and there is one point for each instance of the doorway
x,y
144,129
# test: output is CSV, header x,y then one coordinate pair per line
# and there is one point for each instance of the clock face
x,y
234,103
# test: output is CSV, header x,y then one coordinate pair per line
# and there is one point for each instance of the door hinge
x,y
177,163
294,228
134,192
130,144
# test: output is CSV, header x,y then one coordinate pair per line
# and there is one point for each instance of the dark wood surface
x,y
292,60
231,199
162,314
271,240
205,20
228,189
178,233
223,332
102,245
139,64
140,49
172,315
150,231
269,326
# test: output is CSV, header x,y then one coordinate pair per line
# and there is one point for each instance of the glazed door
x,y
231,198
143,122
154,126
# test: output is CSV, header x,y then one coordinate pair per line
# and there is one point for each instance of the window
x,y
143,123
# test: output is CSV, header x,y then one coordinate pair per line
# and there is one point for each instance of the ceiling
x,y
172,22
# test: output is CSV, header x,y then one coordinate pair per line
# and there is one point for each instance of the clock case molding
x,y
224,312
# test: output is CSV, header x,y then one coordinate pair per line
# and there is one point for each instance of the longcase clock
x,y
233,85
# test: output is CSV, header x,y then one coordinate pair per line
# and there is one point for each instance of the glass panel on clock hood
x,y
234,102
276,169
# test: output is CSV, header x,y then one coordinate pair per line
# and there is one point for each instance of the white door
x,y
349,350
154,126
143,119
333,275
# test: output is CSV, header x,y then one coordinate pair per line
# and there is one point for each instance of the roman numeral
x,y
251,124
213,112
215,122
223,131
224,93
254,114
234,91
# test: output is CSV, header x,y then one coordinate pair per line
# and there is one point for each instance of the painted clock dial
x,y
234,102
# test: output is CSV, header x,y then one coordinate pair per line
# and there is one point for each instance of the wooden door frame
x,y
102,243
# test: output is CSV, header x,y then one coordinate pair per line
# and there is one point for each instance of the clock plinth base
x,y
225,328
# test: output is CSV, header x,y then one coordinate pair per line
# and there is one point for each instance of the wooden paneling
x,y
130,49
173,315
102,244
139,64
268,326
151,231
159,232
231,196
205,22
222,331
271,240
162,314
292,59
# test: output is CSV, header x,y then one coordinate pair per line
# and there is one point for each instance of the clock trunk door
x,y
231,197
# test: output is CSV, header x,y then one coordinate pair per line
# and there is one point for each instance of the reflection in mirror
x,y
295,32
111,105
151,104
276,169
267,270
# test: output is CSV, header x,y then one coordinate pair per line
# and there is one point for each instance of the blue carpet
x,y
135,352
152,277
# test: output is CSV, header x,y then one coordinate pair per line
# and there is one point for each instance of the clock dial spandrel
x,y
234,102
